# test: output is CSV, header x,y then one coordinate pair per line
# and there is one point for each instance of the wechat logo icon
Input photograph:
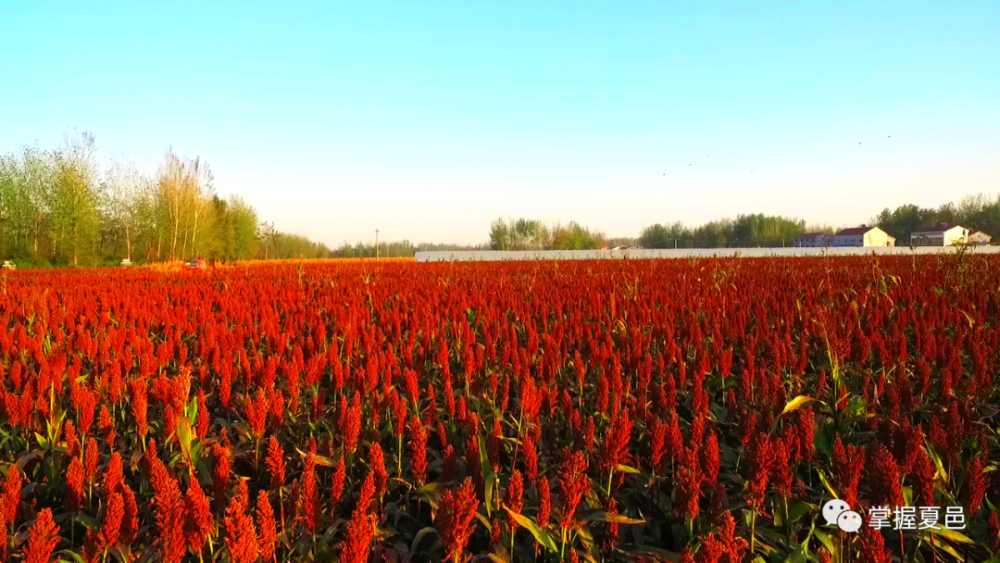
x,y
838,513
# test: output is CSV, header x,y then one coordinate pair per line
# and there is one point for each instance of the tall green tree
x,y
73,201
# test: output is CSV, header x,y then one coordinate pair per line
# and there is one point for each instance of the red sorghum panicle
x,y
688,483
90,459
221,468
723,546
91,546
72,442
993,525
616,441
198,520
544,503
84,401
658,444
418,450
352,422
337,484
496,534
137,392
456,519
169,505
974,487
275,463
759,454
130,520
573,482
113,477
710,458
922,475
114,512
848,466
201,422
886,488
781,475
611,541
514,495
266,527
377,462
361,529
309,496
42,539
12,494
493,444
107,427
74,485
241,536
530,459
871,546
448,467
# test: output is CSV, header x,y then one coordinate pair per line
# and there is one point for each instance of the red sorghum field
x,y
673,410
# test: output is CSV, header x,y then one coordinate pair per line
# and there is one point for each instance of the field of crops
x,y
670,410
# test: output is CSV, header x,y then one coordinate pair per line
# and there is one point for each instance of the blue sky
x,y
428,120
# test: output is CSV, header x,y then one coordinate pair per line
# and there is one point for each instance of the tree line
x,y
532,234
756,229
978,212
59,207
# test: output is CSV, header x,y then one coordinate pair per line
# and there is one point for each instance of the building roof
x,y
938,229
977,232
855,231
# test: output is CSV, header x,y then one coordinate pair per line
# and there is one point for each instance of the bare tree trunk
x,y
194,232
128,243
177,224
184,244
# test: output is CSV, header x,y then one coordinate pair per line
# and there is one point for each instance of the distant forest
x,y
978,212
58,208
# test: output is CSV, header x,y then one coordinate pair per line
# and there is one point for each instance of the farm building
x,y
979,238
863,236
813,240
944,235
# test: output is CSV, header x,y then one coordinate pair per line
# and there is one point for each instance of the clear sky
x,y
429,119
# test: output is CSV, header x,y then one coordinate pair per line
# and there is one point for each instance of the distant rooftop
x,y
855,231
938,229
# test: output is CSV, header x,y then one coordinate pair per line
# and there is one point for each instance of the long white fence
x,y
643,253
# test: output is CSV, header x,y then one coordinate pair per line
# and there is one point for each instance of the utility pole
x,y
376,244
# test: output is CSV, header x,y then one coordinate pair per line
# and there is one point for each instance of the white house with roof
x,y
942,235
979,238
863,236
813,240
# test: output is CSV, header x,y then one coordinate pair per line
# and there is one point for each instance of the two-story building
x,y
942,235
813,240
979,238
863,236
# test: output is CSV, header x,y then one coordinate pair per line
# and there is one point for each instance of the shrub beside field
x,y
692,410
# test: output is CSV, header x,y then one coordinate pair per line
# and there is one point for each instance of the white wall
x,y
633,253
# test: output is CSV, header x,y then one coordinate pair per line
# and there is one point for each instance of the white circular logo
x,y
833,509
